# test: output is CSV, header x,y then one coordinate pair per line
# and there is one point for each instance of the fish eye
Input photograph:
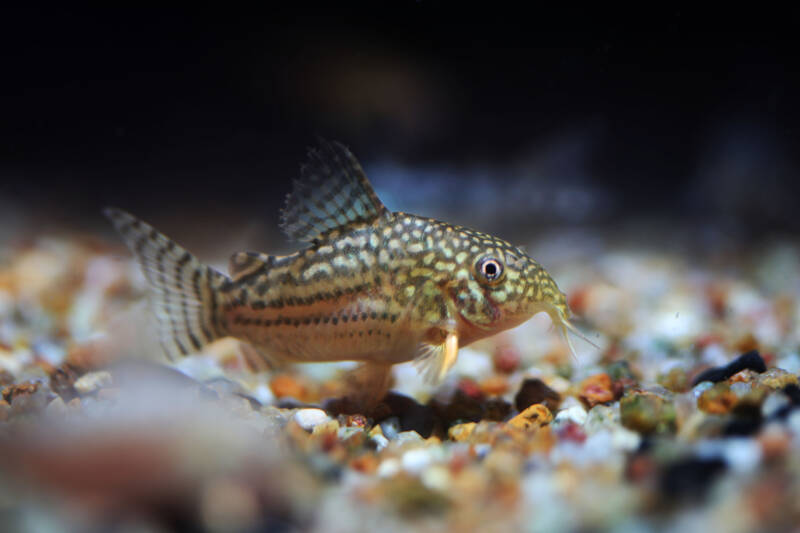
x,y
490,269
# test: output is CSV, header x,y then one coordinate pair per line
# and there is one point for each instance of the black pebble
x,y
793,392
751,360
412,415
690,478
533,391
460,408
497,409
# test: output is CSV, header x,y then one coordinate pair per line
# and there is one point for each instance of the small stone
x,y
437,477
388,467
461,432
284,386
596,389
6,377
534,417
647,413
62,381
410,414
496,409
776,379
309,418
506,359
676,380
574,414
533,391
416,460
366,464
494,386
12,392
405,437
56,408
380,441
89,383
390,427
717,400
773,404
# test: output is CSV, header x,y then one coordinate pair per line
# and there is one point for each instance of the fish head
x,y
500,286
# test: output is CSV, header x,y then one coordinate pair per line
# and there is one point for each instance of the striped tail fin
x,y
185,293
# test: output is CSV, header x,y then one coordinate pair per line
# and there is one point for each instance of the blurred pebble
x,y
88,383
380,441
416,460
793,422
390,427
717,400
309,418
647,413
534,390
228,507
461,432
774,403
405,437
700,388
777,378
436,477
389,467
506,359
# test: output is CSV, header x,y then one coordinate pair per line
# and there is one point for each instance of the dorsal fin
x,y
332,192
243,264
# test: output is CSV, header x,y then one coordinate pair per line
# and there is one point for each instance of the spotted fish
x,y
372,285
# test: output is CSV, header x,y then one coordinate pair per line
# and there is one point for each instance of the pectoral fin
x,y
433,361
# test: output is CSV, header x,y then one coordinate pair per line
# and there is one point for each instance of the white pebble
x,y
740,388
436,477
415,461
388,467
742,455
575,414
794,423
700,388
408,436
774,403
380,442
308,418
92,381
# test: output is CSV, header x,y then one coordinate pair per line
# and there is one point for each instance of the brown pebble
x,y
534,417
534,390
676,380
366,464
461,432
11,392
284,385
777,379
596,389
62,381
717,400
6,377
494,385
647,413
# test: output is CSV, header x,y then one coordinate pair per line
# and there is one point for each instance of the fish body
x,y
371,286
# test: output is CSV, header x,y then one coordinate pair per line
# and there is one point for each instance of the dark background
x,y
479,113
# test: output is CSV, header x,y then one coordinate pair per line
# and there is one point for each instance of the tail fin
x,y
184,293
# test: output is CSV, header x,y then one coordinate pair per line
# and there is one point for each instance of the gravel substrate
x,y
686,419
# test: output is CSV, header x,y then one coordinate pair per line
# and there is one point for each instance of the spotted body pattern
x,y
372,286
